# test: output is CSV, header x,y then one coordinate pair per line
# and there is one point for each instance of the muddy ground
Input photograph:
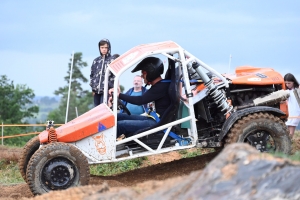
x,y
154,170
157,171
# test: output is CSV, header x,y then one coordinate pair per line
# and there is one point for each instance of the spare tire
x,y
57,166
264,131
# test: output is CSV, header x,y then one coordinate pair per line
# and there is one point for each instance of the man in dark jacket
x,y
98,69
151,69
136,90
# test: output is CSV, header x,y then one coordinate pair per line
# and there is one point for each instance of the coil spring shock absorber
x,y
217,95
52,136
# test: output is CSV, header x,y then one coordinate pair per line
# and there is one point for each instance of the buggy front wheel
x,y
57,166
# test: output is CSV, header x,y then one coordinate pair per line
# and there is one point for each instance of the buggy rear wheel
x,y
28,150
264,131
57,166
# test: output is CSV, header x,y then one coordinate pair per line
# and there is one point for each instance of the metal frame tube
x,y
71,71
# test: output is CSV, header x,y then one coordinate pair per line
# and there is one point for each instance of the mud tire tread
x,y
50,151
28,150
266,121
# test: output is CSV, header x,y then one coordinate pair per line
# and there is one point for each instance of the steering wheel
x,y
122,106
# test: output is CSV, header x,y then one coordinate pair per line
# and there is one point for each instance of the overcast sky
x,y
37,38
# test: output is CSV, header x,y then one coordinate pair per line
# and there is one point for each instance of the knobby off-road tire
x,y
28,150
57,166
259,127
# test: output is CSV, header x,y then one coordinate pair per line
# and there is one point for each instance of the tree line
x,y
17,105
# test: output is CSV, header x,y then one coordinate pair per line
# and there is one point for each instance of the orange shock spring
x,y
52,135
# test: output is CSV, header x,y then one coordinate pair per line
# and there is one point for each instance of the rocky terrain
x,y
237,172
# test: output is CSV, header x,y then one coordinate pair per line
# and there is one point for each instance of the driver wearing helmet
x,y
151,69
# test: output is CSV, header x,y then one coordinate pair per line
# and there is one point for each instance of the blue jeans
x,y
129,124
98,99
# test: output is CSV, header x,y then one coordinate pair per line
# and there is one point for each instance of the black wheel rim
x,y
58,173
262,141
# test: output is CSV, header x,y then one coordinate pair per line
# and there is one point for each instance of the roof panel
x,y
140,51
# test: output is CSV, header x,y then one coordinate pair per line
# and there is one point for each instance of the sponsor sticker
x,y
261,75
100,144
254,79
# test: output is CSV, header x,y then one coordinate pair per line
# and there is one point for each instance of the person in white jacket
x,y
293,106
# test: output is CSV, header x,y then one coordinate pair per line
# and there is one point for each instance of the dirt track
x,y
157,171
144,178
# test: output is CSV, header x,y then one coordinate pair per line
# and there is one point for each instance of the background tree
x,y
79,98
16,104
122,88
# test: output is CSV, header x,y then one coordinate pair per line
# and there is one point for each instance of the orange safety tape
x,y
28,125
12,136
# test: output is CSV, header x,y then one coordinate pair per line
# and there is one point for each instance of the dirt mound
x,y
9,153
296,145
11,192
238,172
168,165
168,171
158,172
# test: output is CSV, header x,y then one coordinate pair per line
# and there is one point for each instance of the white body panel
x,y
100,146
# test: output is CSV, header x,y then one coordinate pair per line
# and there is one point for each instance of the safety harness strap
x,y
181,141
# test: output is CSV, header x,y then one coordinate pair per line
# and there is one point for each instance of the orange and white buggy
x,y
209,110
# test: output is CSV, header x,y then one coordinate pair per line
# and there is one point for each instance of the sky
x,y
37,38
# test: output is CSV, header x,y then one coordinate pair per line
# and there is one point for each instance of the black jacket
x,y
157,93
98,69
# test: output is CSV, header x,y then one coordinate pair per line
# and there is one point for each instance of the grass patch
x,y
293,157
9,172
189,153
108,169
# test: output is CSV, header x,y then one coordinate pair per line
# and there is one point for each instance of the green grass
x,y
195,152
109,169
293,157
9,173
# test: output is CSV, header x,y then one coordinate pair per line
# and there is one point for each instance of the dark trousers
x,y
129,124
98,99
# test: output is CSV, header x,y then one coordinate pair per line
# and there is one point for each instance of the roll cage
x,y
183,60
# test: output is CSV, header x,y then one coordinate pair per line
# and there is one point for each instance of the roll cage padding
x,y
241,113
171,112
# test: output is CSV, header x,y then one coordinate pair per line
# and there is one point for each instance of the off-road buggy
x,y
208,110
